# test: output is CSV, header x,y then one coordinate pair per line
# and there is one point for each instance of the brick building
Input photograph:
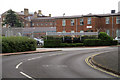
x,y
109,23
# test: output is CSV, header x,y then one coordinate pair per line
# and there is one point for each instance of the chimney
x,y
119,6
26,12
112,11
39,12
35,14
49,15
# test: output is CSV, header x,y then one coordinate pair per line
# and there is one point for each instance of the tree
x,y
12,19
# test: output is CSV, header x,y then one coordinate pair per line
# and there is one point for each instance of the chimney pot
x,y
49,15
26,12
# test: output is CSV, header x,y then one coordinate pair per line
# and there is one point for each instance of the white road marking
x,y
34,58
27,76
18,65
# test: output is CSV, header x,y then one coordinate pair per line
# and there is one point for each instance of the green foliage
x,y
114,42
71,44
99,42
67,39
12,19
103,36
52,43
88,37
17,44
92,42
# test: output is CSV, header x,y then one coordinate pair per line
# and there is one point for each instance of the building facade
x,y
109,23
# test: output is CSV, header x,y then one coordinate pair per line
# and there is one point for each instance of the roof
x,y
88,15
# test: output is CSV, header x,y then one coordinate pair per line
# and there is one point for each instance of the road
x,y
69,63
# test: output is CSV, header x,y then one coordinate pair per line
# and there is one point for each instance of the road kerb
x,y
97,68
31,52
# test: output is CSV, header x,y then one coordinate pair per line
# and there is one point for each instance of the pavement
x,y
30,52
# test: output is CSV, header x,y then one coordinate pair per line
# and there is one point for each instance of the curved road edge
x,y
91,63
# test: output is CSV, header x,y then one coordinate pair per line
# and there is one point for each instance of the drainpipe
x,y
112,27
76,25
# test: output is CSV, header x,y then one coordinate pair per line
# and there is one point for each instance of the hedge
x,y
99,42
71,44
17,44
92,42
52,43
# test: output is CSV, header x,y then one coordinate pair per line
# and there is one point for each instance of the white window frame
x,y
81,21
118,20
72,31
89,20
26,25
51,23
107,20
117,32
72,22
63,22
33,24
108,32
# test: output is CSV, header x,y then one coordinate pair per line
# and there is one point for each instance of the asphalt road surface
x,y
62,64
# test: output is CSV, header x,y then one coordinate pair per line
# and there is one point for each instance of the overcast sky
x,y
58,7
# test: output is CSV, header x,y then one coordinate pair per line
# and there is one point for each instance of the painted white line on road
x,y
18,65
34,58
27,75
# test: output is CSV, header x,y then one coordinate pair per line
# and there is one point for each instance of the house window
x,y
72,22
72,31
50,23
46,24
37,24
26,24
81,21
107,20
41,24
89,21
64,31
33,24
117,32
117,20
63,22
108,32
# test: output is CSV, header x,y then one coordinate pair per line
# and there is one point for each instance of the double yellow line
x,y
97,68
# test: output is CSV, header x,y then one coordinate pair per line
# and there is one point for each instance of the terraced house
x,y
109,23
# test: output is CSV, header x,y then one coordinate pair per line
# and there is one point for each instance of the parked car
x,y
118,38
39,41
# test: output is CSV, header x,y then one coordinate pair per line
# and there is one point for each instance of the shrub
x,y
67,39
114,42
71,44
52,43
103,36
92,42
17,44
76,40
88,37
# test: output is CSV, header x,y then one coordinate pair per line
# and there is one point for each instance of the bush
x,y
76,40
67,39
92,42
88,37
71,44
17,44
114,42
52,43
99,42
103,36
